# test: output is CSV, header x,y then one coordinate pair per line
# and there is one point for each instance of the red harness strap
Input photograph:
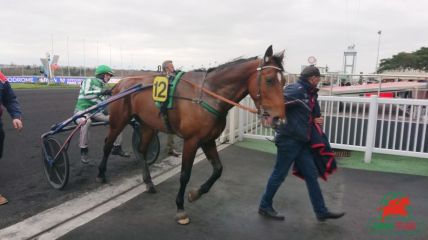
x,y
215,95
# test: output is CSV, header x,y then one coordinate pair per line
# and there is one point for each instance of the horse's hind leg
x,y
210,150
116,127
146,137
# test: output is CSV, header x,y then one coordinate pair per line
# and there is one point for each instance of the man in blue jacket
x,y
293,145
9,101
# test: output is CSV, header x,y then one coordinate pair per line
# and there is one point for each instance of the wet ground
x,y
22,179
229,210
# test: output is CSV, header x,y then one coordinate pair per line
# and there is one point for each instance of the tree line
x,y
417,60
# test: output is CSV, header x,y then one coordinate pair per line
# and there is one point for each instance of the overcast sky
x,y
140,34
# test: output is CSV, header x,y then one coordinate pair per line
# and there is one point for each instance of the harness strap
x,y
204,105
174,86
210,109
202,85
164,115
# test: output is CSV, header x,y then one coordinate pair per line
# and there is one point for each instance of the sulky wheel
x,y
56,170
152,151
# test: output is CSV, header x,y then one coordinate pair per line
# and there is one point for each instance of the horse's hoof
x,y
193,195
151,189
183,221
182,218
101,180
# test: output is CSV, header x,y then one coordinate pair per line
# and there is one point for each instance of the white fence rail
x,y
372,125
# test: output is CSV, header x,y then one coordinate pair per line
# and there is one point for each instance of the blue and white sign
x,y
22,79
38,79
69,80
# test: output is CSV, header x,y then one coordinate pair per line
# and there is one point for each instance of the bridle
x,y
259,70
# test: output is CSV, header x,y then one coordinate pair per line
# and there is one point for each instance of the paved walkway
x,y
229,210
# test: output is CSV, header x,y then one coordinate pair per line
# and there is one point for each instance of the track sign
x,y
312,60
160,89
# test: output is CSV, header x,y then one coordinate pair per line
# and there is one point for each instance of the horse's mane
x,y
231,63
276,58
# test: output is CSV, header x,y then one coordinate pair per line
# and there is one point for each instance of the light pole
x,y
121,61
97,54
68,58
378,47
84,58
110,53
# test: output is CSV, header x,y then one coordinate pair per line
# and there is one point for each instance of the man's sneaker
x,y
3,200
117,150
84,158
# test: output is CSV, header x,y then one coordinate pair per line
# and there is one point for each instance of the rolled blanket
x,y
323,154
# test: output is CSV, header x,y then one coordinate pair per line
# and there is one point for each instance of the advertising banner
x,y
22,79
38,79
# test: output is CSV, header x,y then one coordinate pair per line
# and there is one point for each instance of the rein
x,y
215,95
221,98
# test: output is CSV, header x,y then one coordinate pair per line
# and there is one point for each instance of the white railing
x,y
382,125
250,123
379,125
336,78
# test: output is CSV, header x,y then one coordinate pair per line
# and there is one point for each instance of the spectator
x,y
9,101
168,69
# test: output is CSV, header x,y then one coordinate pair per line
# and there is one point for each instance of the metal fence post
x,y
232,125
241,123
371,129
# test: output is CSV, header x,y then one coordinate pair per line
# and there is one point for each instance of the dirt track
x,y
22,179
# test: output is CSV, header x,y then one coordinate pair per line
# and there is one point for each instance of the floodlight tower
x,y
349,60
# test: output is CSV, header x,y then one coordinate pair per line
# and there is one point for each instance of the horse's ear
x,y
280,55
268,54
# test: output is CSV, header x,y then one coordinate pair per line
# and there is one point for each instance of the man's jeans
x,y
288,151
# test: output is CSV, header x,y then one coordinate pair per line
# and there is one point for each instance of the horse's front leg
x,y
210,150
189,151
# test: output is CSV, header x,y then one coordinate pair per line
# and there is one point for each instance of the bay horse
x,y
190,118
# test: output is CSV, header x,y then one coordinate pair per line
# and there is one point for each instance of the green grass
x,y
259,145
380,162
41,86
387,163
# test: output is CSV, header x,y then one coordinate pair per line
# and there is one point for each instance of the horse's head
x,y
265,88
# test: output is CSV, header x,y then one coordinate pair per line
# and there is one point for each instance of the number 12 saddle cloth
x,y
163,95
